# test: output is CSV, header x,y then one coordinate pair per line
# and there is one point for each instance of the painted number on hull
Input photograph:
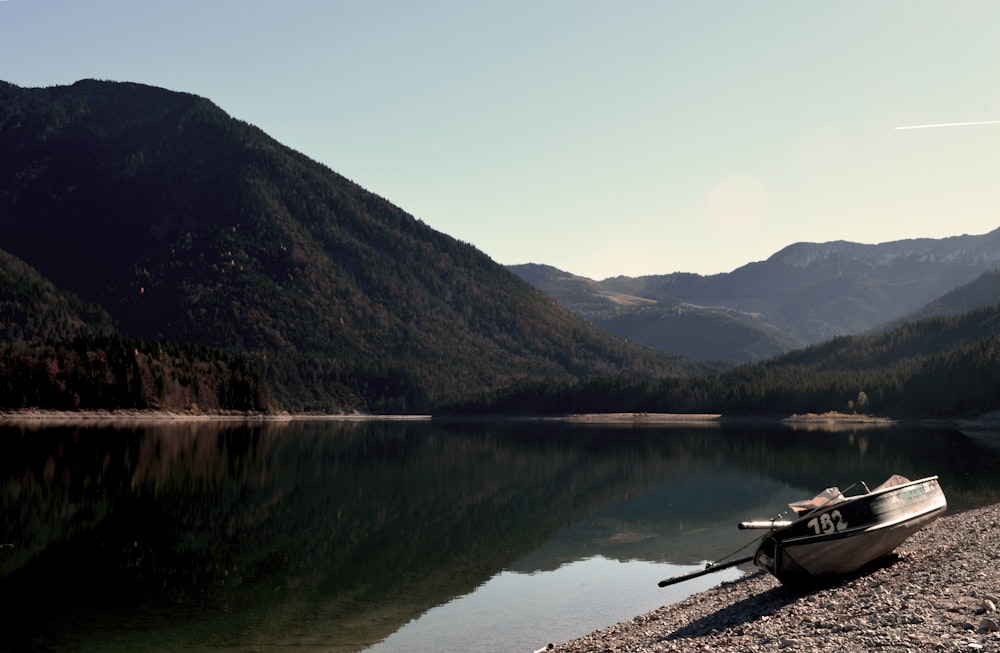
x,y
828,522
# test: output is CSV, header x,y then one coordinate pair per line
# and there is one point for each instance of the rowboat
x,y
834,535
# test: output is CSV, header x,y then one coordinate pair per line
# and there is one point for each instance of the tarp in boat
x,y
834,495
827,496
895,479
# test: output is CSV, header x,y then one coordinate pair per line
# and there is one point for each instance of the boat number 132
x,y
828,522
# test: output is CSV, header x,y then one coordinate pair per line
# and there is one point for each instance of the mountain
x,y
941,367
804,294
187,225
668,324
32,308
59,352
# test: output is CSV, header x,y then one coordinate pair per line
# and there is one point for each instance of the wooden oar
x,y
701,572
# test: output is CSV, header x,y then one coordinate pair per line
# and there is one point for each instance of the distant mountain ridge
x,y
964,249
187,225
803,294
661,321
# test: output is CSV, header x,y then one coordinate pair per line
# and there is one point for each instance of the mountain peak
x,y
974,250
185,224
805,254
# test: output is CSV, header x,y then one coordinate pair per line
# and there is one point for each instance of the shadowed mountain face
x,y
32,308
185,224
804,294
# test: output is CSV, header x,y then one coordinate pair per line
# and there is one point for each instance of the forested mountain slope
x,y
187,225
937,367
58,352
32,308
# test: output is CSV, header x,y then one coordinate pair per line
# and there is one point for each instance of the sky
x,y
601,137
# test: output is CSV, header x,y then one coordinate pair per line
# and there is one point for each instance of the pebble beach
x,y
939,591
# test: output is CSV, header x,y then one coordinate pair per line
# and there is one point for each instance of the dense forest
x,y
939,367
61,353
117,373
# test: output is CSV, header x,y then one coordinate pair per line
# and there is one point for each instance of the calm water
x,y
387,536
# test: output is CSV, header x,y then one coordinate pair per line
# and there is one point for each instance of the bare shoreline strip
x,y
817,419
160,416
641,418
807,421
938,591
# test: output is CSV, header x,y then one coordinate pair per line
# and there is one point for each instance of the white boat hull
x,y
842,537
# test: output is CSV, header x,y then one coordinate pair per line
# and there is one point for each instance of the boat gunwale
x,y
860,530
873,493
853,532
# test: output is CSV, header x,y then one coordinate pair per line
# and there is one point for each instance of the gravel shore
x,y
938,592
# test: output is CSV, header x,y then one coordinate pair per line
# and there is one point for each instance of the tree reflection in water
x,y
332,535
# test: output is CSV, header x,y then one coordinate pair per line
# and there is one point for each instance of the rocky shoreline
x,y
938,592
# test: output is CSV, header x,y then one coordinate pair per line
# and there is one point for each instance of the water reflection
x,y
332,536
547,606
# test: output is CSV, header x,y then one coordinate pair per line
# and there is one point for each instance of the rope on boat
x,y
711,567
707,570
730,555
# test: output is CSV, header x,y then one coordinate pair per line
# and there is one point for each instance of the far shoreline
x,y
38,416
809,421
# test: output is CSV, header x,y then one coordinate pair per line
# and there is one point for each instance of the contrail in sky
x,y
952,124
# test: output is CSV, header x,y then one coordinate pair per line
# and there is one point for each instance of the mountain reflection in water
x,y
332,535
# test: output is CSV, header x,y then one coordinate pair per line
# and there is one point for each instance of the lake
x,y
402,536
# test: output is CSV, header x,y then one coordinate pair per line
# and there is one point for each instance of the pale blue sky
x,y
602,137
